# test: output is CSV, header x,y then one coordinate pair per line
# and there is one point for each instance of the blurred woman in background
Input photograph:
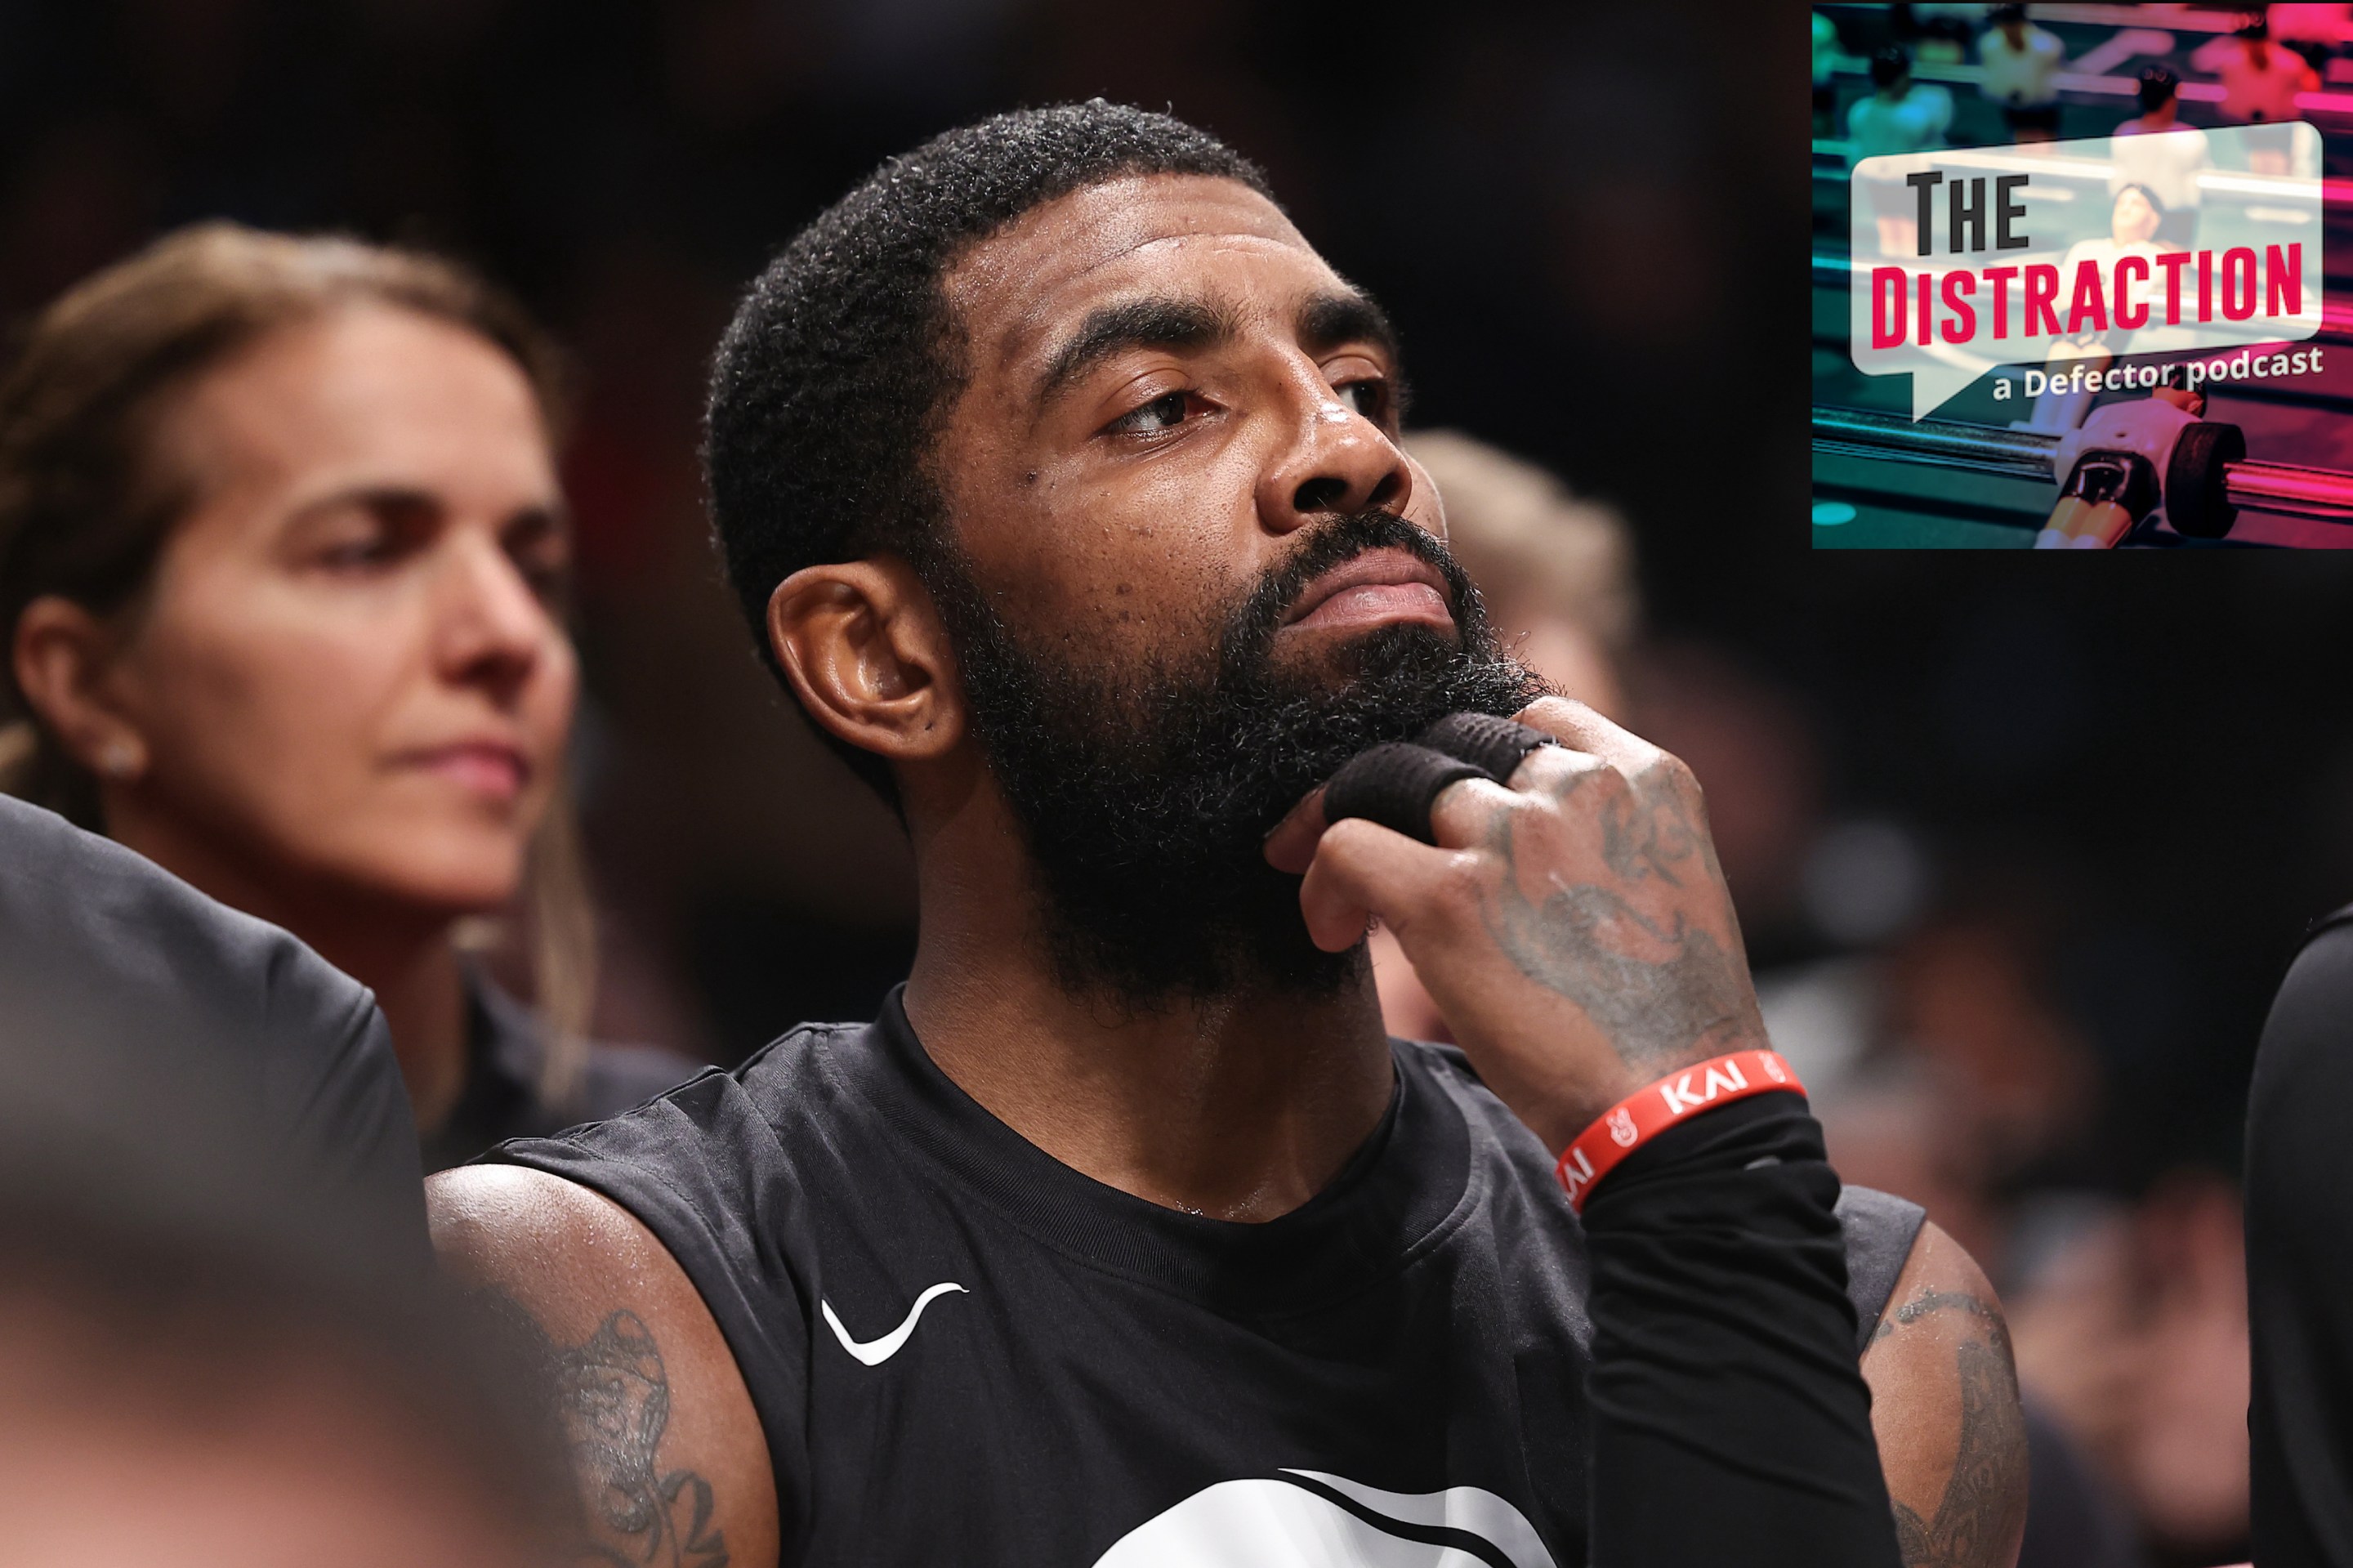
x,y
282,569
1557,572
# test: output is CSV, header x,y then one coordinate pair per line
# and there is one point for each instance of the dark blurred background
x,y
2021,848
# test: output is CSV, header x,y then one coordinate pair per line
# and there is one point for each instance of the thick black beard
x,y
1145,794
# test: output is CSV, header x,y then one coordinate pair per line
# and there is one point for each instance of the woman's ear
x,y
863,644
61,653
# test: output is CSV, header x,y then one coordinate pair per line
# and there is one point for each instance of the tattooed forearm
x,y
1655,984
1977,1519
611,1394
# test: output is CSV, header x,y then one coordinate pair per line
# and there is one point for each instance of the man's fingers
x,y
1394,784
1397,784
1362,869
1581,728
1292,846
1494,746
1553,771
1464,814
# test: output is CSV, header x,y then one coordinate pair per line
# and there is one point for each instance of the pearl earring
x,y
119,761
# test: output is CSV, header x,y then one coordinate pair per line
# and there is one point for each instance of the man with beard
x,y
1060,479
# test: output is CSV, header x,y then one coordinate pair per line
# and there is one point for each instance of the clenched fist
x,y
1574,927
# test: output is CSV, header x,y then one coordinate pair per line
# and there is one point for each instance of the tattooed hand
x,y
1574,929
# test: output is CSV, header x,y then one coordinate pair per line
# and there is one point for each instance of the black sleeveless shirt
x,y
961,1350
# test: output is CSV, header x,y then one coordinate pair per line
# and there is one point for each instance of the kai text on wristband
x,y
1650,1110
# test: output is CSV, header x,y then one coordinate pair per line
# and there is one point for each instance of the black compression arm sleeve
x,y
1732,1428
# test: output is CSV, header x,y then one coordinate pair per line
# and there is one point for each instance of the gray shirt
x,y
140,1017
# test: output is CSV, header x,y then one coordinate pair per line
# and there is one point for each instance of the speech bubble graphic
x,y
2056,254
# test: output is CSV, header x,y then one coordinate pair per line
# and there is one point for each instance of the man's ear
x,y
61,653
864,646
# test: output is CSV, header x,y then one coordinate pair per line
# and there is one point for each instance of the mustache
x,y
1249,635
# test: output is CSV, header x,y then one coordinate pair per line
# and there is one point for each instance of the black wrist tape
x,y
1394,785
1494,746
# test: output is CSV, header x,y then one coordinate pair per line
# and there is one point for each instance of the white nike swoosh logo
x,y
1297,1521
874,1353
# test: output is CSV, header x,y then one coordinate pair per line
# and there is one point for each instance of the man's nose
x,y
1339,461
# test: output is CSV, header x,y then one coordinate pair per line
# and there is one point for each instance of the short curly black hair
x,y
831,385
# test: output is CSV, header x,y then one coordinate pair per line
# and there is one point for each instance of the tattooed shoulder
x,y
611,1395
672,1465
1932,1301
1962,1352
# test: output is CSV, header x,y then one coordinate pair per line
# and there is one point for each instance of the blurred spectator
x,y
1967,1079
1556,569
281,561
1755,744
146,1015
188,1374
1900,116
2134,1334
2073,1517
2165,157
1558,574
1890,1126
2260,84
2021,73
1971,997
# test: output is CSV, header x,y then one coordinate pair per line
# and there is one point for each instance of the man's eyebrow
x,y
1136,324
1327,321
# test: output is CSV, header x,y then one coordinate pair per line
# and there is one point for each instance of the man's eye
x,y
1370,398
1162,413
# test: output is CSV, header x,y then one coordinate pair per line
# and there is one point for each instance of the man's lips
x,y
1387,584
487,767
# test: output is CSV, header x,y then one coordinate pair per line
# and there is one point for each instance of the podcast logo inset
x,y
1968,259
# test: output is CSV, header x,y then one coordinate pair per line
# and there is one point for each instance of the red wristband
x,y
1650,1110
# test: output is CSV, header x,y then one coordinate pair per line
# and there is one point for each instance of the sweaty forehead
x,y
1165,234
